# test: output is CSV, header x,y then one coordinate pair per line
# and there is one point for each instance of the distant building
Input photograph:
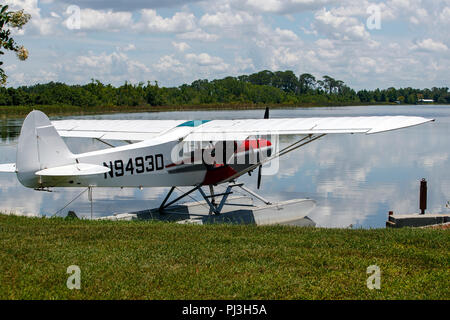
x,y
426,100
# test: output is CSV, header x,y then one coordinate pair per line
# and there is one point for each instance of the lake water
x,y
355,179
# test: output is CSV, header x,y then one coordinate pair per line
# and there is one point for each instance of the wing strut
x,y
293,146
310,138
103,141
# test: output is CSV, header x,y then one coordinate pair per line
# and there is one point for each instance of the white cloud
x,y
115,67
444,16
282,6
151,22
102,61
10,68
180,46
324,43
339,27
244,64
205,60
37,24
283,57
225,19
430,45
105,20
30,78
359,9
200,35
130,47
130,5
169,63
285,35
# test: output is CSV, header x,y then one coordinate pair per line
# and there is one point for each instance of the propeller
x,y
266,116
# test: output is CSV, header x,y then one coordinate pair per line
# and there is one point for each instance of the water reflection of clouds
x,y
355,179
433,159
359,178
20,200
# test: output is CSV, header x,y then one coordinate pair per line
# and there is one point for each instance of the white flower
x,y
22,53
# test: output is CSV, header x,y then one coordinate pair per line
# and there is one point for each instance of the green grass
x,y
155,260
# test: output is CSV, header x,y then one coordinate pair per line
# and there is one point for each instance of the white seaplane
x,y
171,153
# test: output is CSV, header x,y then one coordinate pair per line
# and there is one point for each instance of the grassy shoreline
x,y
67,110
155,260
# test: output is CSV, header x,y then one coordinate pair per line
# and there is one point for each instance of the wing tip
x,y
419,121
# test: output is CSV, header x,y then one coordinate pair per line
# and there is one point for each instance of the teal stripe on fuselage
x,y
193,123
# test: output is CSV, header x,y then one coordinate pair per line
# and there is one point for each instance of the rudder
x,y
40,147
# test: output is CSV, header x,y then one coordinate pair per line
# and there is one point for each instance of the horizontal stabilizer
x,y
8,167
78,169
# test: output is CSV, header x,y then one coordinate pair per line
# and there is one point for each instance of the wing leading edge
x,y
237,129
139,130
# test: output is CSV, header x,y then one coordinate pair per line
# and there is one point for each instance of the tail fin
x,y
40,147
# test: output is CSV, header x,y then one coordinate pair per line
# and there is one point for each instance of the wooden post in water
x,y
423,196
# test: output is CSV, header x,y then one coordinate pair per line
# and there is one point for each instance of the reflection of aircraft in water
x,y
171,153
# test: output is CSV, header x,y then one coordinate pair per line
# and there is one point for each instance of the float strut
x,y
90,198
164,205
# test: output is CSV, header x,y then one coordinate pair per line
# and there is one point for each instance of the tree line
x,y
264,87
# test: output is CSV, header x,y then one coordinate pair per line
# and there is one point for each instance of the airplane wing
x,y
125,130
216,130
232,129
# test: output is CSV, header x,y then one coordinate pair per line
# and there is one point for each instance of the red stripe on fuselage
x,y
253,144
217,174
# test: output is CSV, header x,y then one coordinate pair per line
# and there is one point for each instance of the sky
x,y
367,44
